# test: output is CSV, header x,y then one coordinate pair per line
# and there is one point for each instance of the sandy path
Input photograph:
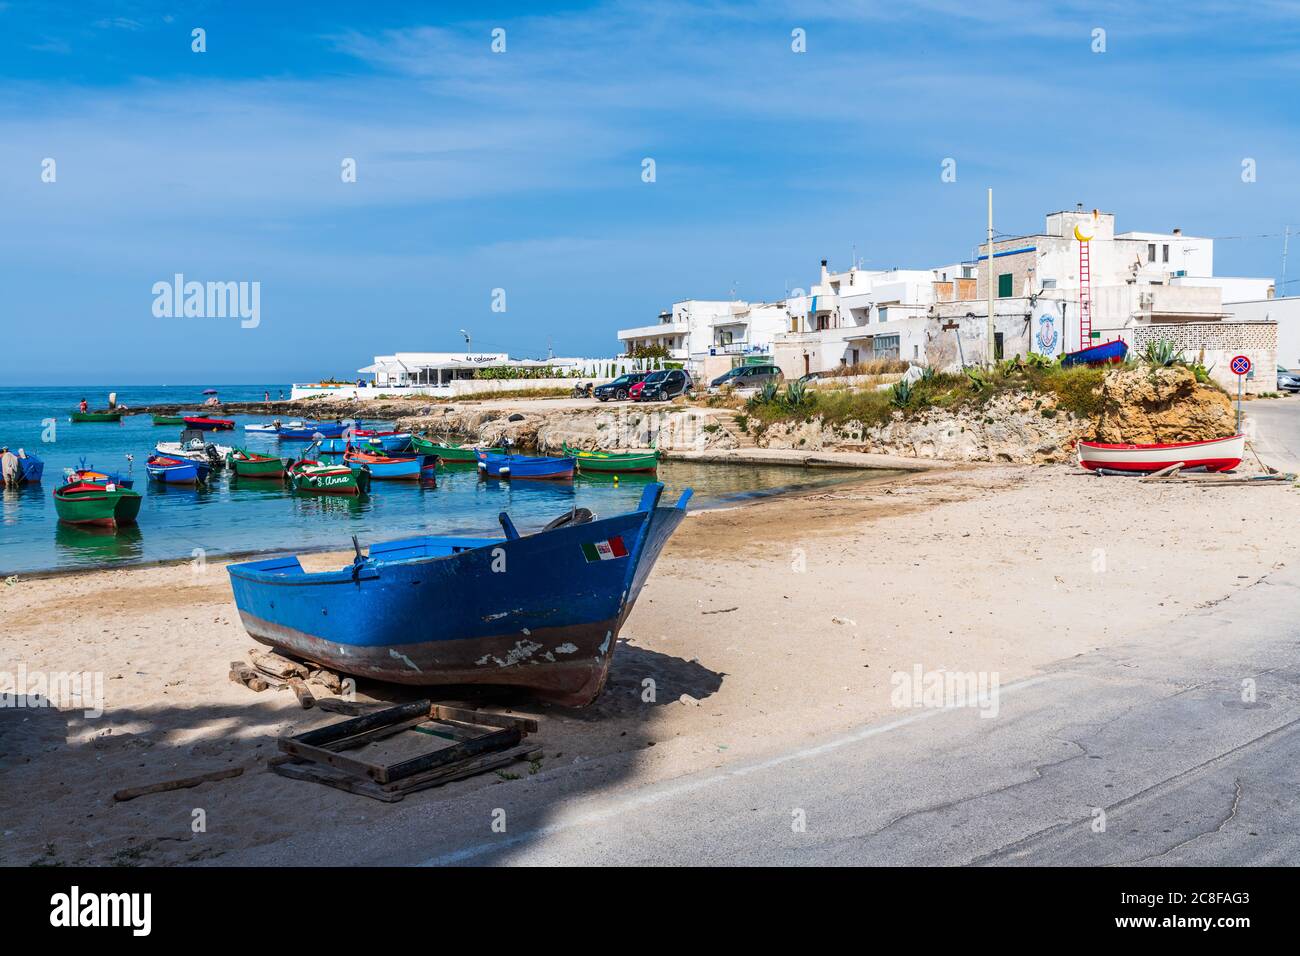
x,y
784,619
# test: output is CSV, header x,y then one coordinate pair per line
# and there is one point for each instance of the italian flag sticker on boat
x,y
604,550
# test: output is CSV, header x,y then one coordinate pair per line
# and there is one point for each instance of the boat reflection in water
x,y
25,500
94,545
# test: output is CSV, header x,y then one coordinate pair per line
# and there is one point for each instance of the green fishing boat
x,y
451,452
169,420
104,416
248,464
314,477
105,505
605,461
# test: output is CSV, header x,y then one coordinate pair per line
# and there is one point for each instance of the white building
x,y
855,316
711,336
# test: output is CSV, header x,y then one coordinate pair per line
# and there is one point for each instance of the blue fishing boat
x,y
176,471
491,465
1106,352
389,468
540,611
310,431
386,443
30,468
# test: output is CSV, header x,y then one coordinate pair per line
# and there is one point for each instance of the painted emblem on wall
x,y
1046,335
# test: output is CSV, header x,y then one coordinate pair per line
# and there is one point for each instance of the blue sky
x,y
522,170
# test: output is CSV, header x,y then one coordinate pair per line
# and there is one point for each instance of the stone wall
x,y
1220,341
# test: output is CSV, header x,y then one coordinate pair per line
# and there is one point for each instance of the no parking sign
x,y
1240,366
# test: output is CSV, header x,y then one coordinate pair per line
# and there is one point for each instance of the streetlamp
x,y
468,347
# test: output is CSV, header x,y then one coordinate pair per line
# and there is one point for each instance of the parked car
x,y
1287,380
619,388
809,377
661,386
749,376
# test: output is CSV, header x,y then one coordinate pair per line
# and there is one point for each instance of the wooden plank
x,y
333,778
350,728
1168,472
378,733
436,778
275,665
183,783
241,673
302,693
496,740
320,755
483,718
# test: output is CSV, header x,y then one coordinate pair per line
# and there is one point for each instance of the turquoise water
x,y
226,518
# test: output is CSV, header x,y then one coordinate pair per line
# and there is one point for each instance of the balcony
x,y
654,331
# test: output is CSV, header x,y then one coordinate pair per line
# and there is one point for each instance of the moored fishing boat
x,y
432,610
89,475
450,452
1217,454
169,419
1102,354
195,449
91,504
315,477
30,468
393,468
247,464
101,416
524,466
310,431
176,471
204,424
614,461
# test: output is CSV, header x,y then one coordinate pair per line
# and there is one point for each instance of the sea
x,y
227,518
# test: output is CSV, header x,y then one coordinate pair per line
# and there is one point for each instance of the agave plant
x,y
928,373
1161,353
796,394
767,393
901,393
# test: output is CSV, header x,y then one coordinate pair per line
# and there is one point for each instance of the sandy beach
x,y
763,624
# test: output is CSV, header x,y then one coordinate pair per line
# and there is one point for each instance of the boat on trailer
x,y
539,611
1217,454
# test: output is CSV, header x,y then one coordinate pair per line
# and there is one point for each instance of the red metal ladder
x,y
1085,297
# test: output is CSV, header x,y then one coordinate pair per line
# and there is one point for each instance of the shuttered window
x,y
1004,285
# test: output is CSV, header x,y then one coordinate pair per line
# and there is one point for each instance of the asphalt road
x,y
1156,735
1276,430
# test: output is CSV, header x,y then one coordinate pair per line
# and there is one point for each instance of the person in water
x,y
9,466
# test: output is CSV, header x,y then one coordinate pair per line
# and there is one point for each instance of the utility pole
x,y
992,334
1286,241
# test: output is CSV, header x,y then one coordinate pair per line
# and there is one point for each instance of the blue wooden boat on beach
x,y
176,471
313,430
540,611
1105,353
491,465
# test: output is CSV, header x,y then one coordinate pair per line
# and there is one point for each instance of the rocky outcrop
x,y
1016,427
1157,405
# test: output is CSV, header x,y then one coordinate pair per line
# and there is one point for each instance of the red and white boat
x,y
1217,454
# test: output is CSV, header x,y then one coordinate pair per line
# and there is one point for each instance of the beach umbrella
x,y
209,391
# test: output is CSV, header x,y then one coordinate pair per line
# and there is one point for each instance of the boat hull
x,y
210,424
519,467
1219,454
434,612
336,480
30,470
169,420
452,454
311,433
604,462
255,466
176,471
1107,352
96,505
97,416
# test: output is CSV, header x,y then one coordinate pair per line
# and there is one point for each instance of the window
x,y
1165,252
1151,252
997,346
1049,283
884,346
916,351
1004,285
884,314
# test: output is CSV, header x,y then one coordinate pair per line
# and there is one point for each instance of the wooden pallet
x,y
481,742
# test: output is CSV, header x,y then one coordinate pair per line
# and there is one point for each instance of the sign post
x,y
1241,368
